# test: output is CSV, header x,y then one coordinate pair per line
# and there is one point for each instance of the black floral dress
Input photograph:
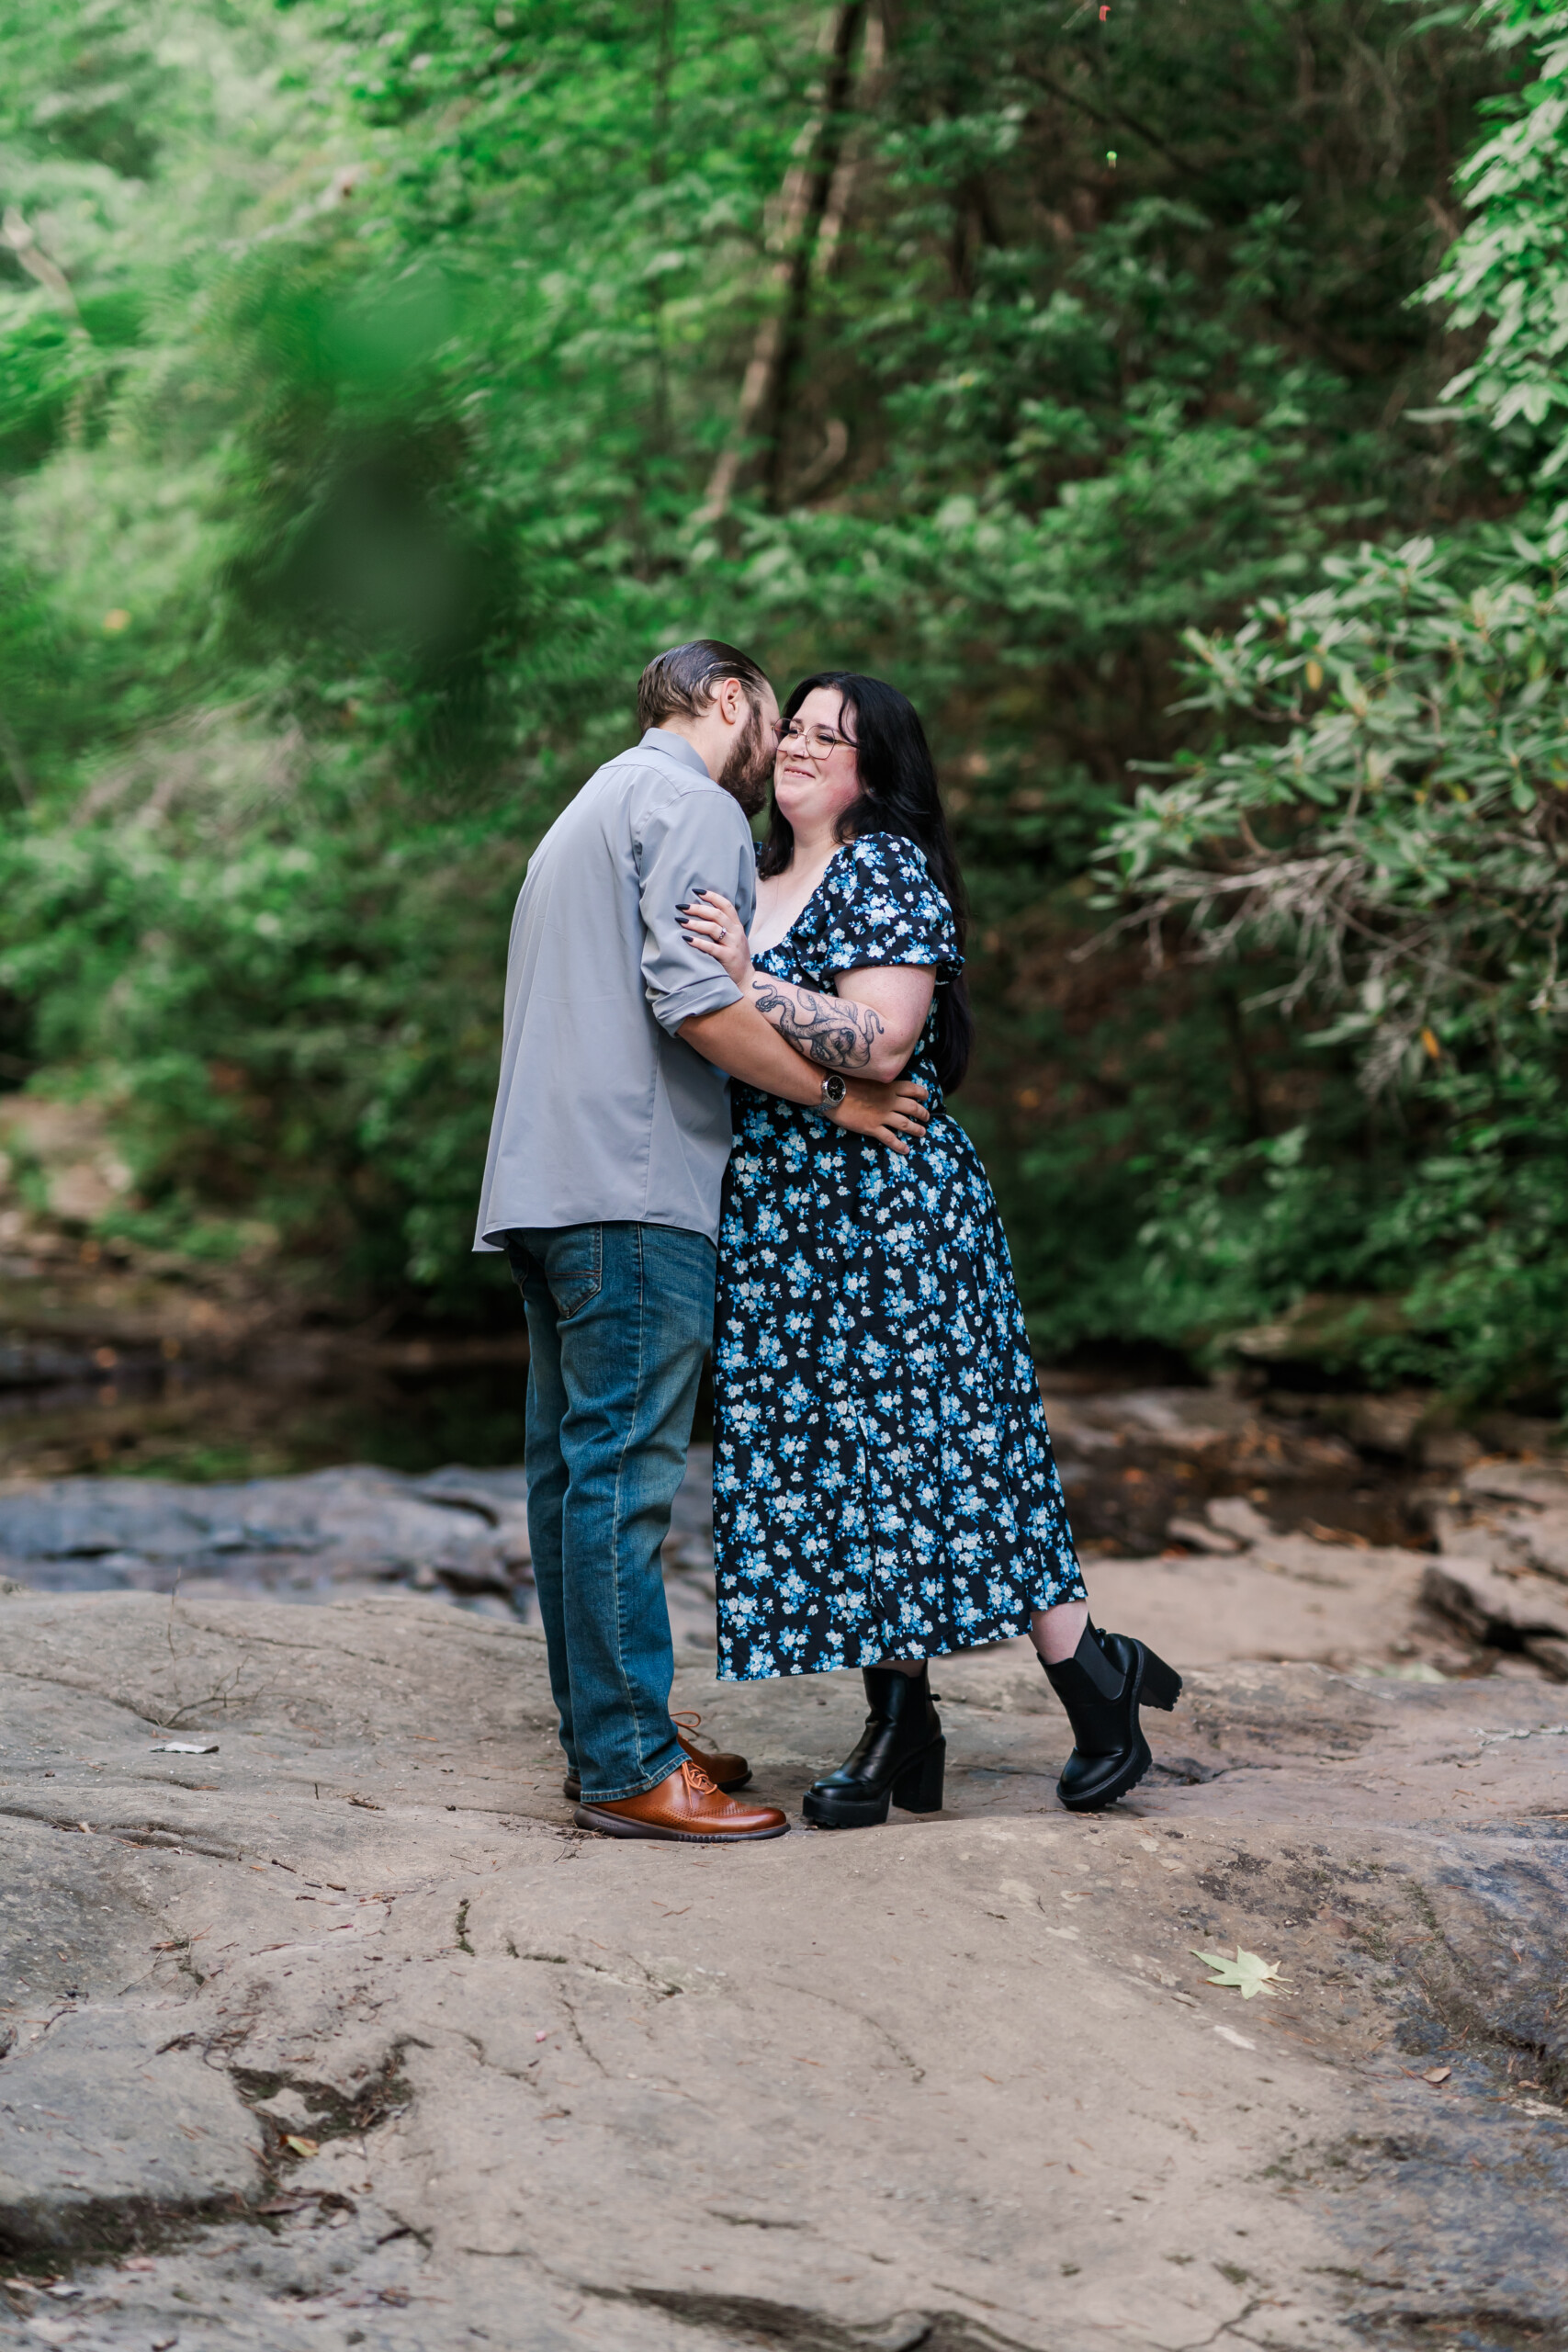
x,y
883,1485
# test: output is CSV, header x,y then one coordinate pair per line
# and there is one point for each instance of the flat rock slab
x,y
1288,1598
342,2034
457,1533
303,1538
121,2126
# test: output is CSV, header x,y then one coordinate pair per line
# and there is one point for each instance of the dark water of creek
x,y
1129,1458
158,1421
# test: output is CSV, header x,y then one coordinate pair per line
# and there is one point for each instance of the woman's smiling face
x,y
815,776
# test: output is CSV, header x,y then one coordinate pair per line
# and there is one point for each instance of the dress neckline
x,y
809,902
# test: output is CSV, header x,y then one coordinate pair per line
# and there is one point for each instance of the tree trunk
x,y
16,765
815,192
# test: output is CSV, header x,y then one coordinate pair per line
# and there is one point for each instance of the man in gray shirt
x,y
601,1183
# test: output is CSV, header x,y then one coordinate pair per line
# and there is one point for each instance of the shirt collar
x,y
664,739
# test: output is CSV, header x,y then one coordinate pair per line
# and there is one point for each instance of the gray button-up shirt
x,y
603,1114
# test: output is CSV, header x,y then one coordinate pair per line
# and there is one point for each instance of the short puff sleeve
x,y
881,907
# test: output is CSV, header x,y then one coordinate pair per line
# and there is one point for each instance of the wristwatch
x,y
834,1090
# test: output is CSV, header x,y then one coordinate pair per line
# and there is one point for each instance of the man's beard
x,y
749,770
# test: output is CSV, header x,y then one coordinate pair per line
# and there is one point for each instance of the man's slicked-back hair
x,y
682,683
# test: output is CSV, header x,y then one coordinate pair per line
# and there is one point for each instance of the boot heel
x,y
918,1790
1161,1685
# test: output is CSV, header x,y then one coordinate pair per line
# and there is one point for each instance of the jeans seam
x,y
548,1312
629,1695
632,1284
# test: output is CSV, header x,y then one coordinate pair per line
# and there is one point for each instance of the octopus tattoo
x,y
831,1030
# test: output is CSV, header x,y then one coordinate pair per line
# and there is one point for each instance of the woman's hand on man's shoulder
x,y
710,922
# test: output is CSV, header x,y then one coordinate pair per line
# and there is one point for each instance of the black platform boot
x,y
1102,1685
899,1754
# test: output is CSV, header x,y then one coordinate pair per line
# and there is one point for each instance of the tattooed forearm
x,y
831,1030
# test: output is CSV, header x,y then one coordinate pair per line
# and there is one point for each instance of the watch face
x,y
834,1089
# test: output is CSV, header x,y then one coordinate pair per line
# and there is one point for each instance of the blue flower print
x,y
883,1484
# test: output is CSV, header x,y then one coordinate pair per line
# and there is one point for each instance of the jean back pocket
x,y
570,1259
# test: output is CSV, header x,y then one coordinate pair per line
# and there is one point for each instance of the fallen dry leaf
x,y
1246,1972
301,2147
1436,2074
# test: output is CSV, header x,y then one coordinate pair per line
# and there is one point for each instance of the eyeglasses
x,y
815,742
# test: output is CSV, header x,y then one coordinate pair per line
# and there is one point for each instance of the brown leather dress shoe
x,y
725,1771
687,1808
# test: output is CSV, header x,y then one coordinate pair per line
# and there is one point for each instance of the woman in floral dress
x,y
884,1485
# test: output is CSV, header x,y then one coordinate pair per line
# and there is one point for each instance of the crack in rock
x,y
791,2327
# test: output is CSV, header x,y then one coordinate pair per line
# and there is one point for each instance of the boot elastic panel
x,y
1090,1656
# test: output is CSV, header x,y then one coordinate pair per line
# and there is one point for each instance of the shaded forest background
x,y
1167,398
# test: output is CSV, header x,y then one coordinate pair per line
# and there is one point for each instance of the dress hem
x,y
1003,1632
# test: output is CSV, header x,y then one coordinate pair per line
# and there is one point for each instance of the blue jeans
x,y
619,1319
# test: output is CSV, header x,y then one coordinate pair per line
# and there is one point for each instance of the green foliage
x,y
285,1017
1395,821
382,413
1386,814
1511,264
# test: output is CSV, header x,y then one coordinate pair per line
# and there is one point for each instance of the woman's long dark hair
x,y
898,795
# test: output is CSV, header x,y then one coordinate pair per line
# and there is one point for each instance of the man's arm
x,y
681,833
872,1024
687,990
738,1039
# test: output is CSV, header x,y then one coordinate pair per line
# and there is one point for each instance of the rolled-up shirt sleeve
x,y
689,842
